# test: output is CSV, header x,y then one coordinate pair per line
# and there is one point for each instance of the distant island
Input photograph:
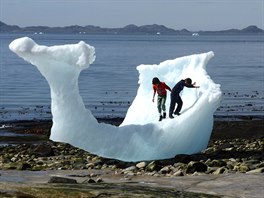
x,y
129,29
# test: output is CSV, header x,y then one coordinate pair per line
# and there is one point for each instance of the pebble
x,y
221,157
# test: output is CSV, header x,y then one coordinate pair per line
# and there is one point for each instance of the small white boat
x,y
195,34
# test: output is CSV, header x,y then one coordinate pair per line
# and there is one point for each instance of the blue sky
x,y
177,14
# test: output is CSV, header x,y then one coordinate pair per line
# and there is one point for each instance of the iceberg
x,y
141,136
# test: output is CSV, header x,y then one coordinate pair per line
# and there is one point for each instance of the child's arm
x,y
191,85
167,87
195,85
154,93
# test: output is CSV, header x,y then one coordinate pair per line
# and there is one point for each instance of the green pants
x,y
161,103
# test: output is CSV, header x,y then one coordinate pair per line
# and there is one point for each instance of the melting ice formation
x,y
141,136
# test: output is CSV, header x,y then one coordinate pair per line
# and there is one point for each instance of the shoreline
x,y
225,127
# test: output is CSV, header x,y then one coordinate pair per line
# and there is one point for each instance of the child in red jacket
x,y
160,88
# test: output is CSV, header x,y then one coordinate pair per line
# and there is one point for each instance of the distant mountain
x,y
252,29
247,30
8,28
149,29
129,29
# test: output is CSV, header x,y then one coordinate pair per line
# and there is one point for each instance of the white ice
x,y
141,136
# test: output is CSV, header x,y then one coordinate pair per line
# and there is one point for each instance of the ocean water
x,y
109,86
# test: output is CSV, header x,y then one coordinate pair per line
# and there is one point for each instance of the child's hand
x,y
153,100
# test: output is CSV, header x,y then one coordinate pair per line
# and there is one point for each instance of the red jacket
x,y
161,88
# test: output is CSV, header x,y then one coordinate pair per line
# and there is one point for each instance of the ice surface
x,y
141,136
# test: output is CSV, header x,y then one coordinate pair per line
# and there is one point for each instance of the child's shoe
x,y
160,118
164,115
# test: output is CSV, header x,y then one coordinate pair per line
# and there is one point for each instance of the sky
x,y
193,15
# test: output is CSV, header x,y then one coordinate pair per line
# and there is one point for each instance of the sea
x,y
109,86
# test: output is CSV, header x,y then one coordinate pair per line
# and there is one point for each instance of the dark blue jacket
x,y
179,86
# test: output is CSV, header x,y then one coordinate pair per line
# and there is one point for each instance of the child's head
x,y
188,81
155,81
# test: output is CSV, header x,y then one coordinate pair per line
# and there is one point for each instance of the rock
x,y
261,165
37,168
129,175
246,157
90,165
152,166
165,170
10,166
196,167
198,173
23,166
243,168
97,162
230,166
93,175
179,166
178,173
89,181
258,170
219,171
43,150
252,161
99,180
236,168
210,170
63,180
130,168
217,163
105,166
141,165
5,160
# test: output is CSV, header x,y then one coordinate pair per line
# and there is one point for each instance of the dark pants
x,y
175,98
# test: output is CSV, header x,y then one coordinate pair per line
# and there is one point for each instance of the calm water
x,y
238,66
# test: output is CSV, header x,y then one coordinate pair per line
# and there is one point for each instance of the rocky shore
x,y
235,148
221,156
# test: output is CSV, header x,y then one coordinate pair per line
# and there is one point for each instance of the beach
x,y
234,154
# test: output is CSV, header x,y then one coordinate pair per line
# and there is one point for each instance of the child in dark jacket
x,y
175,95
160,88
